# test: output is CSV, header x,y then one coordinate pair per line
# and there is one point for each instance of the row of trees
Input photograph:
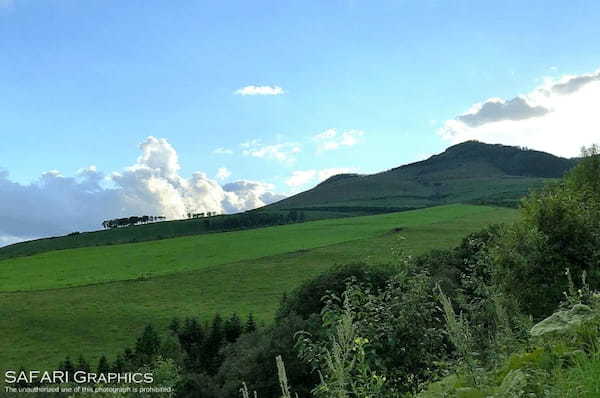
x,y
129,221
253,219
202,214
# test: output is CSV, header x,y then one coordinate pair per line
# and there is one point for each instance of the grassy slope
x,y
467,172
133,234
38,328
75,267
403,190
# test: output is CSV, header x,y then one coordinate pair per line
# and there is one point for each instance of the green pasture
x,y
91,265
42,320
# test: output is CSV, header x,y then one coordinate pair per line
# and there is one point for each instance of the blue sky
x,y
85,82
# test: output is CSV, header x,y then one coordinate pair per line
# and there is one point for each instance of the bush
x,y
559,231
403,324
307,299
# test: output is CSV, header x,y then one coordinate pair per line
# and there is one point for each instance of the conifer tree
x,y
67,365
82,364
147,346
103,366
233,328
129,358
212,345
191,337
250,324
119,365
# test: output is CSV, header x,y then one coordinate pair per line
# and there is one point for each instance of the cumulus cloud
x,y
55,204
223,173
330,139
303,177
223,151
283,152
260,90
560,116
250,195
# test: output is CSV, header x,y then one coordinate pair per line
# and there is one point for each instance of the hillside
x,y
470,172
92,301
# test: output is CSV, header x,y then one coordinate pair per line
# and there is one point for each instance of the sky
x,y
113,108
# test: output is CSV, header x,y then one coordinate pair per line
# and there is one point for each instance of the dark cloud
x,y
497,110
575,83
54,205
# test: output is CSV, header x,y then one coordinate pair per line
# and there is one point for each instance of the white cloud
x,y
560,116
283,152
260,90
7,239
55,204
330,139
223,173
222,151
300,178
251,194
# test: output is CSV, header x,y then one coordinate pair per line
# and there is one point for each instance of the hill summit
x,y
470,172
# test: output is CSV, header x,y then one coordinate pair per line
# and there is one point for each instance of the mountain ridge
x,y
512,170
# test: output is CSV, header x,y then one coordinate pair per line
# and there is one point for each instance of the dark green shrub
x,y
308,298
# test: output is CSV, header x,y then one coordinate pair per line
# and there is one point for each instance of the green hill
x,y
471,172
92,301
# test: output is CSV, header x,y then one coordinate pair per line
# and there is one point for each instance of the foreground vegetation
x,y
41,327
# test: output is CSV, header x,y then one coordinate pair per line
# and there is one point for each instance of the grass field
x,y
42,320
76,267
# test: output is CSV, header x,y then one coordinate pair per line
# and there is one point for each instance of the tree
x,y
82,364
191,337
147,346
67,365
307,299
103,366
233,328
119,366
213,344
250,325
